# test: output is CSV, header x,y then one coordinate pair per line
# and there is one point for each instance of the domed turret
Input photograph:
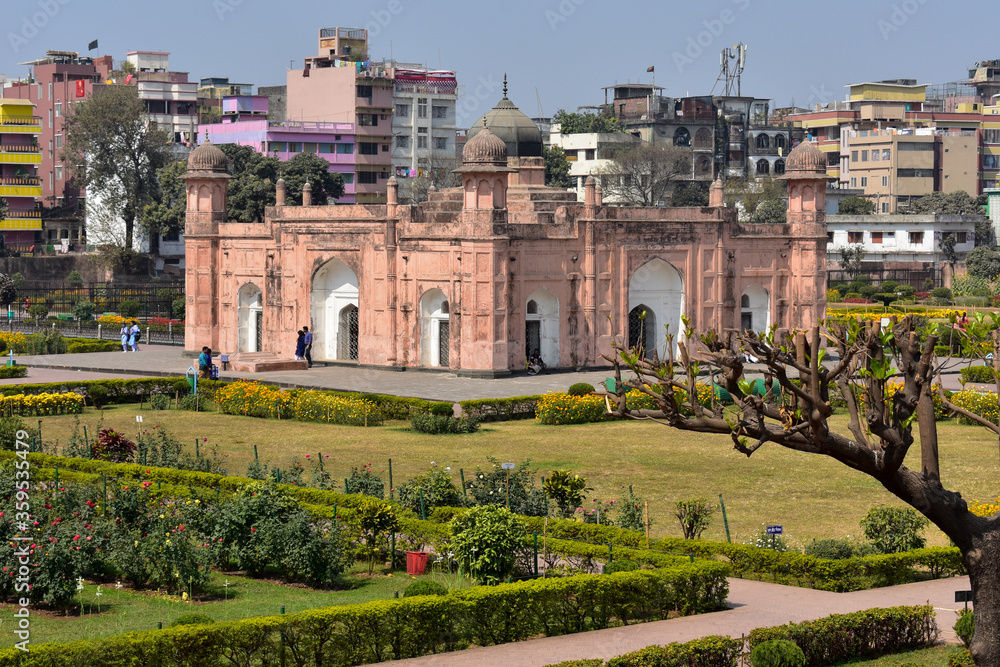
x,y
805,159
485,148
513,127
208,157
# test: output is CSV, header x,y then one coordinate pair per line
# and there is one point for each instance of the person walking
x,y
300,346
205,363
125,334
309,346
134,333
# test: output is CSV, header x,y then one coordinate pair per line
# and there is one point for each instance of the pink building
x,y
479,276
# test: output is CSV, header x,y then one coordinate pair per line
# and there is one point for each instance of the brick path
x,y
753,604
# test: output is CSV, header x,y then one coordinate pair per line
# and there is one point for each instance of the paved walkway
x,y
753,604
165,360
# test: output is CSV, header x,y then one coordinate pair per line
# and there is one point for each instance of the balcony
x,y
18,155
20,124
20,190
22,220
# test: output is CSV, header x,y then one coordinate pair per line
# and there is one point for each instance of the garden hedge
x,y
501,409
404,628
8,372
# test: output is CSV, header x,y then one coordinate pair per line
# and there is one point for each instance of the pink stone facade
x,y
477,277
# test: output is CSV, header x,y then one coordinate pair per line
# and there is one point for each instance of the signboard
x,y
963,596
507,466
774,530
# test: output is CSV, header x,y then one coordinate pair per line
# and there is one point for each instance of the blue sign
x,y
774,530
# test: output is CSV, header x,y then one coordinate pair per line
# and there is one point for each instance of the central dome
x,y
513,127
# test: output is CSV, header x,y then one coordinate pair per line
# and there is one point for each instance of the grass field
x,y
811,496
124,610
930,657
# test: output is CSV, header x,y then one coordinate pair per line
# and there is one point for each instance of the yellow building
x,y
19,184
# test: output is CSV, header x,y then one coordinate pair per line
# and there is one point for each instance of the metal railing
x,y
161,334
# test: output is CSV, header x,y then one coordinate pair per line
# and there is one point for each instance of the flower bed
x,y
27,405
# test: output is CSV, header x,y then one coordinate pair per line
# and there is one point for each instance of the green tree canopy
x,y
584,123
251,188
856,206
556,167
167,214
114,149
307,167
983,262
693,193
952,203
758,201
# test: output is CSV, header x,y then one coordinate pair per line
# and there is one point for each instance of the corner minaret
x,y
207,184
484,172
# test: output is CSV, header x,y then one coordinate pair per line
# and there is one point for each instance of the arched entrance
x,y
642,329
541,326
334,310
250,318
657,288
755,311
435,329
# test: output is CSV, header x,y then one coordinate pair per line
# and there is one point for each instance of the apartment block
x,y
171,100
19,159
423,122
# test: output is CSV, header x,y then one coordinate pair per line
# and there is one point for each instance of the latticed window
x,y
642,330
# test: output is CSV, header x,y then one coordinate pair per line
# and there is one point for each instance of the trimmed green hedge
x,y
7,372
501,409
397,629
863,634
82,345
712,651
119,391
982,374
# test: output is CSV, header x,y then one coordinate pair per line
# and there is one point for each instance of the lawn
x,y
124,610
811,496
929,657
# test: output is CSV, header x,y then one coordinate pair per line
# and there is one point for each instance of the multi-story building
x,y
245,123
589,154
989,175
171,100
57,81
423,123
211,90
334,88
20,156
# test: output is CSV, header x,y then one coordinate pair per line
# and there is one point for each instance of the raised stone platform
x,y
262,362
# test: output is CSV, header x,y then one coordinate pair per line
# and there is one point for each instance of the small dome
x,y
522,136
806,158
208,157
485,148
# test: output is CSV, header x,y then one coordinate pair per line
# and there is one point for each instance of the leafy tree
x,y
894,529
375,519
74,279
307,167
8,289
694,193
983,262
438,490
585,123
851,257
759,201
644,174
879,430
856,206
495,485
556,167
486,540
167,213
567,490
114,150
251,188
694,515
951,203
947,247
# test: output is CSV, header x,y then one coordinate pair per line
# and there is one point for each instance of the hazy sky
x,y
566,50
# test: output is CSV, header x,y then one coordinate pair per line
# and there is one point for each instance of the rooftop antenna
x,y
538,98
731,64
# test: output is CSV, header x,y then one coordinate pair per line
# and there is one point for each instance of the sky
x,y
557,54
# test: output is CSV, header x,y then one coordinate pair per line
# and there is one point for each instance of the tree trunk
x,y
983,564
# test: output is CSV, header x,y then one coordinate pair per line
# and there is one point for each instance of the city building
x,y
245,123
990,164
54,84
171,100
479,276
333,87
908,246
211,90
423,123
589,154
20,188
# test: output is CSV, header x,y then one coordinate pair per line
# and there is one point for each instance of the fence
x,y
913,277
156,299
166,334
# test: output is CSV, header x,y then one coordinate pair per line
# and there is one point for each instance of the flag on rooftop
x,y
650,68
92,45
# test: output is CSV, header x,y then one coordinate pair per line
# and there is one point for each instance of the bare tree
x,y
879,433
644,175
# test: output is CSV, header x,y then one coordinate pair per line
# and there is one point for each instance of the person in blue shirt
x,y
205,363
308,346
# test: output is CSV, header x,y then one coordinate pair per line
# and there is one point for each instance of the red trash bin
x,y
416,562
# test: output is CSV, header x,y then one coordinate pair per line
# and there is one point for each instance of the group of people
x,y
303,346
205,363
130,336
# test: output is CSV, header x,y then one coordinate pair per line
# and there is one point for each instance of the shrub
x,y
425,587
374,519
84,346
38,310
567,490
833,296
318,406
620,566
867,291
906,291
435,425
192,619
177,308
192,402
694,515
83,309
98,395
41,404
977,374
515,488
438,489
442,409
9,426
159,402
74,279
982,403
777,653
252,399
942,293
965,627
501,409
581,389
830,549
894,529
7,372
942,350
632,513
486,540
113,446
181,386
712,651
129,308
961,658
562,409
365,482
